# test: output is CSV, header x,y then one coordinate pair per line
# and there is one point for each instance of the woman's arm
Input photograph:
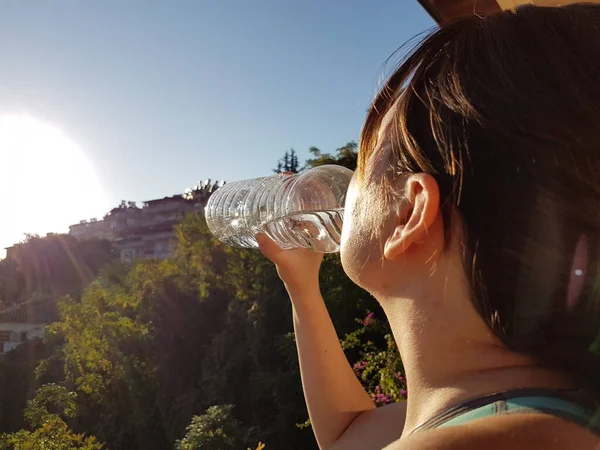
x,y
333,394
335,398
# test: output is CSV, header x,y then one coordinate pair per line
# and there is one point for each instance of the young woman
x,y
474,219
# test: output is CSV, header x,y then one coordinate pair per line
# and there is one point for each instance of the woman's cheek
x,y
358,252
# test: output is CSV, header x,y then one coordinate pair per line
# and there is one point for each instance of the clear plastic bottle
x,y
298,210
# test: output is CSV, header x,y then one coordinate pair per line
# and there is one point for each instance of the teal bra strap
x,y
572,405
540,405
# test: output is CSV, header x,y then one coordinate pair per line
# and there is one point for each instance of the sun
x,y
46,181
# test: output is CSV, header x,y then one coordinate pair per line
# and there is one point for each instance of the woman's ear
x,y
415,214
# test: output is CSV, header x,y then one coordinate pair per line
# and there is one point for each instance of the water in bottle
x,y
299,210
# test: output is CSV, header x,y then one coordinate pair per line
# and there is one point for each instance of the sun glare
x,y
46,182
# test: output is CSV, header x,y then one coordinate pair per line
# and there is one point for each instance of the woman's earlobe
x,y
415,217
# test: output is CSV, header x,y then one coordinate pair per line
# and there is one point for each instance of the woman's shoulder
x,y
374,429
518,432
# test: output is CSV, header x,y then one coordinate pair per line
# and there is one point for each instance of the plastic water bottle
x,y
299,210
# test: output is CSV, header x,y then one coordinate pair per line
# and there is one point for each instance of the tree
x,y
289,163
46,414
248,347
51,266
216,429
376,359
294,164
346,156
108,360
51,397
54,434
18,380
140,349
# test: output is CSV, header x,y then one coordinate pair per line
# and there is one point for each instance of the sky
x,y
157,95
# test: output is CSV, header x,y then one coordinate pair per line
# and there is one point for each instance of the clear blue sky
x,y
160,94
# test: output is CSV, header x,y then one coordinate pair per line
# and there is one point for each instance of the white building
x,y
145,232
25,321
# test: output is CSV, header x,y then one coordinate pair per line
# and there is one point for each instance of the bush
x,y
217,429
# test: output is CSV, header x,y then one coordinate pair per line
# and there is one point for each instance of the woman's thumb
x,y
267,246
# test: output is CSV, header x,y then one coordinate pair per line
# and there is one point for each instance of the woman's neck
x,y
450,355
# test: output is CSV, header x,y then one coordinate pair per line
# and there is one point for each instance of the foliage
x,y
156,350
345,156
53,434
289,163
45,413
51,397
17,381
157,343
50,267
217,429
108,359
378,363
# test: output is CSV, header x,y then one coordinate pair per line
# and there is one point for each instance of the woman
x,y
483,153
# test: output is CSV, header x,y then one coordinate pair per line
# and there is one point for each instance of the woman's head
x,y
495,123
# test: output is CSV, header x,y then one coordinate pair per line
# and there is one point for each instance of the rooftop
x,y
174,198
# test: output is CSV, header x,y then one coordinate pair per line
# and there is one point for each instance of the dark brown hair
x,y
504,111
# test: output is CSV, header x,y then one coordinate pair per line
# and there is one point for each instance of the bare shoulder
x,y
374,429
519,432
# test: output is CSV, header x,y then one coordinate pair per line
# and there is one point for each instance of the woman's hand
x,y
298,268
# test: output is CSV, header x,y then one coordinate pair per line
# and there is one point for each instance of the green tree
x,y
376,360
246,361
46,414
346,156
288,163
17,381
150,344
216,429
53,434
51,266
108,360
51,397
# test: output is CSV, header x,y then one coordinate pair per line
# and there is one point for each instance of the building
x,y
108,228
25,321
146,232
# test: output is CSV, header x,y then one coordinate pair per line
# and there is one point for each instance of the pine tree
x,y
286,162
289,163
